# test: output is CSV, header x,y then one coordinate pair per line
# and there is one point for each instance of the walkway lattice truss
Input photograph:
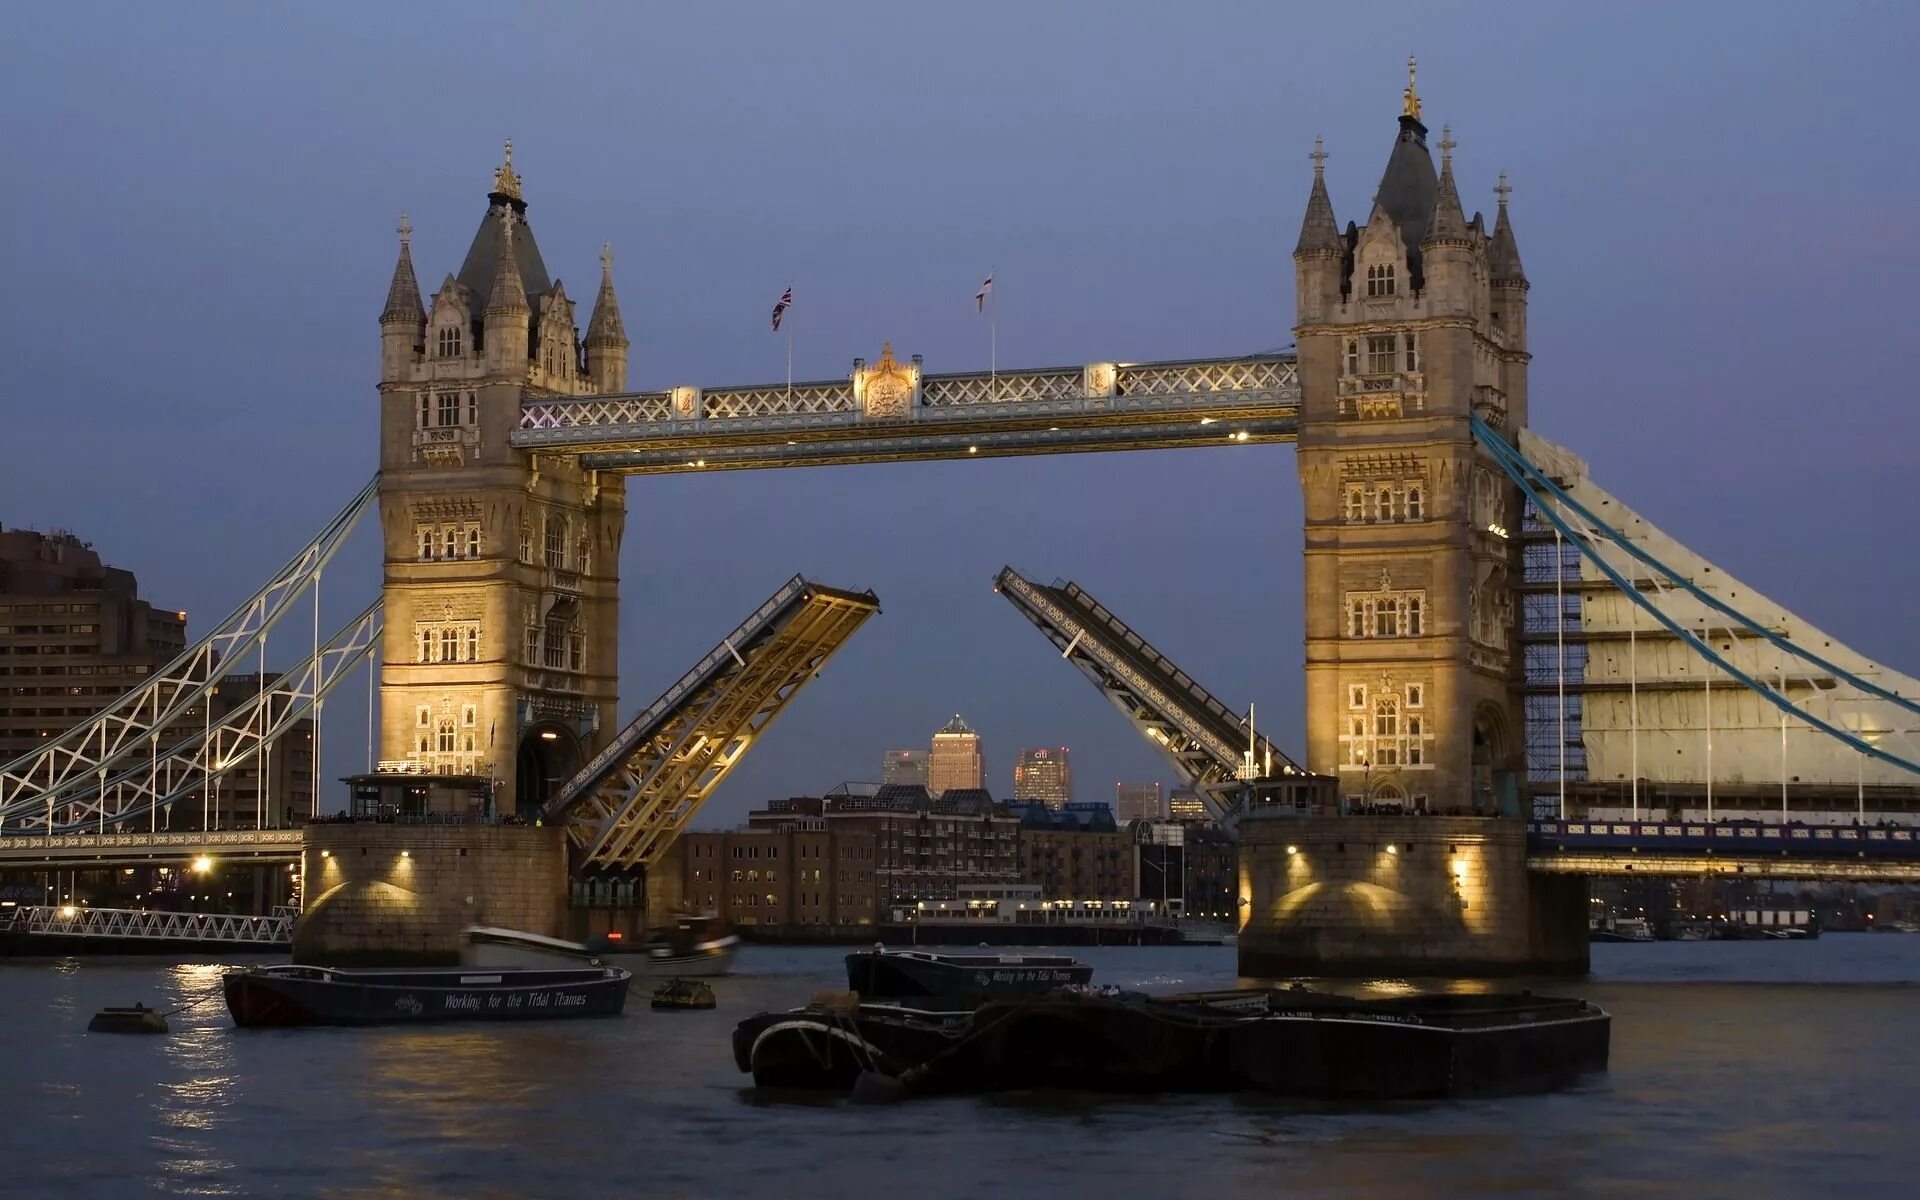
x,y
147,849
626,806
1205,741
138,722
140,925
144,779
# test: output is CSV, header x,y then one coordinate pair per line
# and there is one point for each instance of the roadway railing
x,y
1743,838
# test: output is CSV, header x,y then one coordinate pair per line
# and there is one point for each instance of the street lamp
x,y
202,865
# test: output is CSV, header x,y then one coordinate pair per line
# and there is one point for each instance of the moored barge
x,y
880,972
307,995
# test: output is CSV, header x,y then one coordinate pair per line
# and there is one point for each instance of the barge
x,y
1290,1042
881,972
305,995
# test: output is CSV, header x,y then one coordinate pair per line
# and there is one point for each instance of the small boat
x,y
691,945
1289,1042
137,1019
880,972
1622,929
305,995
683,993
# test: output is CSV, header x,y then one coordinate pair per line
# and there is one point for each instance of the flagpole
x,y
993,336
789,358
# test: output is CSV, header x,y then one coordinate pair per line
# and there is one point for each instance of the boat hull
x,y
284,996
907,974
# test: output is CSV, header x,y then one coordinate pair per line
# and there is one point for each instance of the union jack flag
x,y
780,309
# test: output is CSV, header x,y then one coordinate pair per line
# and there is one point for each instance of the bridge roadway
x,y
889,412
25,851
1837,853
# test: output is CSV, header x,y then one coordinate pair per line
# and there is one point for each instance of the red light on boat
x,y
615,936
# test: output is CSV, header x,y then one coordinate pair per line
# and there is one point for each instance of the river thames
x,y
1740,1069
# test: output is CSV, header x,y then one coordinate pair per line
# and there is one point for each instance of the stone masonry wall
x,y
1403,896
404,893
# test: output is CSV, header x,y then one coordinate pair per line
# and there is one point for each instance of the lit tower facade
x,y
1044,773
1407,326
954,760
501,566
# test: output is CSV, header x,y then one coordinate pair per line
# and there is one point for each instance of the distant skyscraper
x,y
905,766
1138,802
1186,805
955,758
1044,774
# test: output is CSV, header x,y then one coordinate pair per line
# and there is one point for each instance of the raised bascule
x,y
1512,680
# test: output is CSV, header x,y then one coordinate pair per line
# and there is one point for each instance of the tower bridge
x,y
1487,632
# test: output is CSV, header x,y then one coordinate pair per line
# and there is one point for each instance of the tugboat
x,y
304,995
898,973
694,945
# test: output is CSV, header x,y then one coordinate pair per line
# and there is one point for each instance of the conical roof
x,y
1449,223
605,328
403,294
954,726
1503,253
1318,229
1408,188
508,293
484,255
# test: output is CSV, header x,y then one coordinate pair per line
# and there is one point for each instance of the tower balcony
x,y
559,579
446,445
1382,395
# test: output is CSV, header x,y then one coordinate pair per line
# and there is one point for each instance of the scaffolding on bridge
x,y
624,809
1215,750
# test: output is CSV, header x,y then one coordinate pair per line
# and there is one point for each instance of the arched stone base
x,y
1421,896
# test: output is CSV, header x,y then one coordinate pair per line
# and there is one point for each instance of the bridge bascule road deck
x,y
625,807
1214,749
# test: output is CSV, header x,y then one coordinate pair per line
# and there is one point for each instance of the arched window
x,y
1413,353
1414,502
1386,717
1356,619
1386,618
473,409
1380,281
473,541
1356,503
449,341
449,646
470,650
1353,362
426,410
426,645
1413,616
426,542
449,543
446,735
556,542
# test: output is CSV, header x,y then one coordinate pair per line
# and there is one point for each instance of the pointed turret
x,y
507,317
1319,232
1408,186
606,335
403,321
1503,254
1449,223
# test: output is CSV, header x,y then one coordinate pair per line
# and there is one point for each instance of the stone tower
x,y
501,566
1406,327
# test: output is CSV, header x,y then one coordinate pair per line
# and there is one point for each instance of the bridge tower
x,y
1408,325
501,573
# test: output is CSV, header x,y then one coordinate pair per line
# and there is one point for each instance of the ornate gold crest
x,y
886,387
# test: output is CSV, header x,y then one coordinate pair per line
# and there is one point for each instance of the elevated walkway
x,y
1206,742
116,849
626,806
1853,853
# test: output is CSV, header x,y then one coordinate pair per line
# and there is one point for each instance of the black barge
x,y
303,995
881,972
1289,1042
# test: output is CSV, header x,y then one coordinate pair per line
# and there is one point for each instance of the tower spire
x,y
605,329
1410,98
1318,229
506,184
509,292
1503,253
1449,223
403,294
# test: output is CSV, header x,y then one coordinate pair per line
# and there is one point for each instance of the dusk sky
x,y
1714,203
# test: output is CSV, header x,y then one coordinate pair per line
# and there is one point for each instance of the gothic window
x,y
467,743
425,745
1413,616
426,645
1388,756
1386,717
423,716
469,715
426,410
1414,499
449,408
576,651
473,409
1357,619
1380,354
526,543
450,341
1380,280
1414,751
580,556
1358,727
1415,693
449,648
1386,618
473,541
446,736
1357,695
556,542
426,542
1413,353
1353,359
449,546
533,645
1389,504
1356,503
470,651
555,645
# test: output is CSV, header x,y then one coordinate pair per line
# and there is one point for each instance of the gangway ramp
x,y
1207,742
625,808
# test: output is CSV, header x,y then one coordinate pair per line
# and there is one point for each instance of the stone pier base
x,y
1432,896
403,894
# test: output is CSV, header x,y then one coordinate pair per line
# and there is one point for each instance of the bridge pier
x,y
403,893
1420,896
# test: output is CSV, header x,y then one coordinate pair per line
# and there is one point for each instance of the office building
x,y
1186,805
907,767
1138,802
1075,852
1044,773
955,761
